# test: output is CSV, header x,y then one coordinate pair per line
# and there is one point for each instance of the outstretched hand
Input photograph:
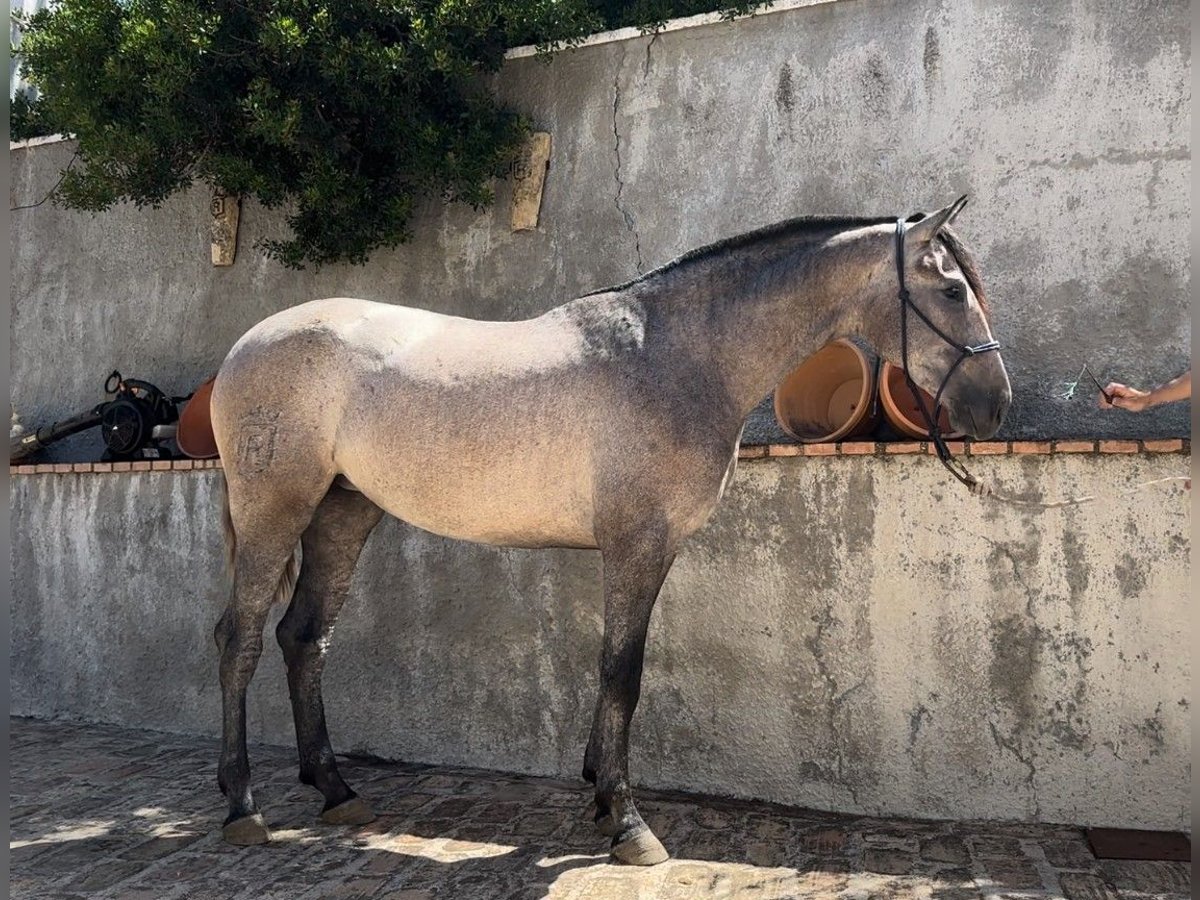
x,y
1124,397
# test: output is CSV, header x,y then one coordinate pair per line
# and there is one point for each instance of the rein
x,y
955,466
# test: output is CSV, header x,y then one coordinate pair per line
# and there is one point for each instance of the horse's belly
x,y
483,505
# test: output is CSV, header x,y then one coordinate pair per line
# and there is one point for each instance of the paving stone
x,y
1078,886
1069,854
954,884
1136,878
824,841
103,875
944,849
158,847
993,846
1013,873
888,862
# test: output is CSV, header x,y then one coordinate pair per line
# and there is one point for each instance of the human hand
x,y
1124,397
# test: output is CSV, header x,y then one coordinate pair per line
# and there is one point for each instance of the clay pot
x,y
901,409
829,397
195,434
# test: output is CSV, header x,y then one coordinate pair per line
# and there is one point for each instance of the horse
x,y
610,423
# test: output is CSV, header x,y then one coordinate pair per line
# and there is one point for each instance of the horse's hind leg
x,y
332,543
266,527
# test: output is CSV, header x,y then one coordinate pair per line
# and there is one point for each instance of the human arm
x,y
1134,400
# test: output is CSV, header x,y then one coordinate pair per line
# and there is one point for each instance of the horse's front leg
x,y
634,570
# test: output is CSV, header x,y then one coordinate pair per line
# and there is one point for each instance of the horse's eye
x,y
955,293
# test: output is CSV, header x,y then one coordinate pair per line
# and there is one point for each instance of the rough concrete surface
x,y
1068,124
108,813
854,633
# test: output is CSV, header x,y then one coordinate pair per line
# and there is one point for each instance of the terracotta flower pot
x,y
901,409
195,435
829,397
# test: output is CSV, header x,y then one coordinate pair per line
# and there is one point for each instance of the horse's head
x,y
949,341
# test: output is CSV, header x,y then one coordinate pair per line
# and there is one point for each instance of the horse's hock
x,y
952,659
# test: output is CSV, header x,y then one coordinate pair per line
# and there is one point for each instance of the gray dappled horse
x,y
611,422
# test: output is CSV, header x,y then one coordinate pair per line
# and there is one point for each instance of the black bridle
x,y
956,468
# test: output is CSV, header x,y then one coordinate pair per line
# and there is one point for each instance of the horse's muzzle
x,y
981,415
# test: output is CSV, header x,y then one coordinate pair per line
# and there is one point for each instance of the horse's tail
x,y
291,572
230,534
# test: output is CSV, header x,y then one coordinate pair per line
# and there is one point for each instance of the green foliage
x,y
343,112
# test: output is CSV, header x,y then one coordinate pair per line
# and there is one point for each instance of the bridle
x,y
956,468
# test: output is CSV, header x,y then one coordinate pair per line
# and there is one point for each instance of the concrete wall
x,y
853,633
1067,123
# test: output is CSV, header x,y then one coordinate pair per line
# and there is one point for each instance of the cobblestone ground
x,y
107,812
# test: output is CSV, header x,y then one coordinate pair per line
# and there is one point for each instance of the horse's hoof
x,y
606,826
354,811
643,849
246,831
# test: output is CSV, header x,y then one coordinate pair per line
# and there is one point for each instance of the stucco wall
x,y
1067,123
853,633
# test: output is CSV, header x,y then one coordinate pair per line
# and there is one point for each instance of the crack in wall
x,y
625,214
646,64
823,620
1028,762
1006,551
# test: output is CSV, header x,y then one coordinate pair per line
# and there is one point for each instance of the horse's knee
x,y
296,635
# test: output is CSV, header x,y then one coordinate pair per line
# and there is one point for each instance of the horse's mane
x,y
802,224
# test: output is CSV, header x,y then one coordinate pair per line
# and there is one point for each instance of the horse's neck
x,y
751,324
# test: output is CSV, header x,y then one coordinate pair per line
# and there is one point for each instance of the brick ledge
x,y
969,448
753,451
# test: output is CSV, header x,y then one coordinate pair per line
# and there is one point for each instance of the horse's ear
x,y
926,230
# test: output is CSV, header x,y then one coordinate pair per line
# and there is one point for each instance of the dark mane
x,y
785,228
965,259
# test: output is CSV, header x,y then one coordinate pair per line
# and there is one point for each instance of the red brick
x,y
957,448
160,465
1031,447
83,467
102,467
140,465
43,468
858,448
904,447
820,449
1118,447
123,466
183,465
1167,446
756,452
784,450
63,468
989,448
1074,446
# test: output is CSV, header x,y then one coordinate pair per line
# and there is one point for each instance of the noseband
x,y
955,467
